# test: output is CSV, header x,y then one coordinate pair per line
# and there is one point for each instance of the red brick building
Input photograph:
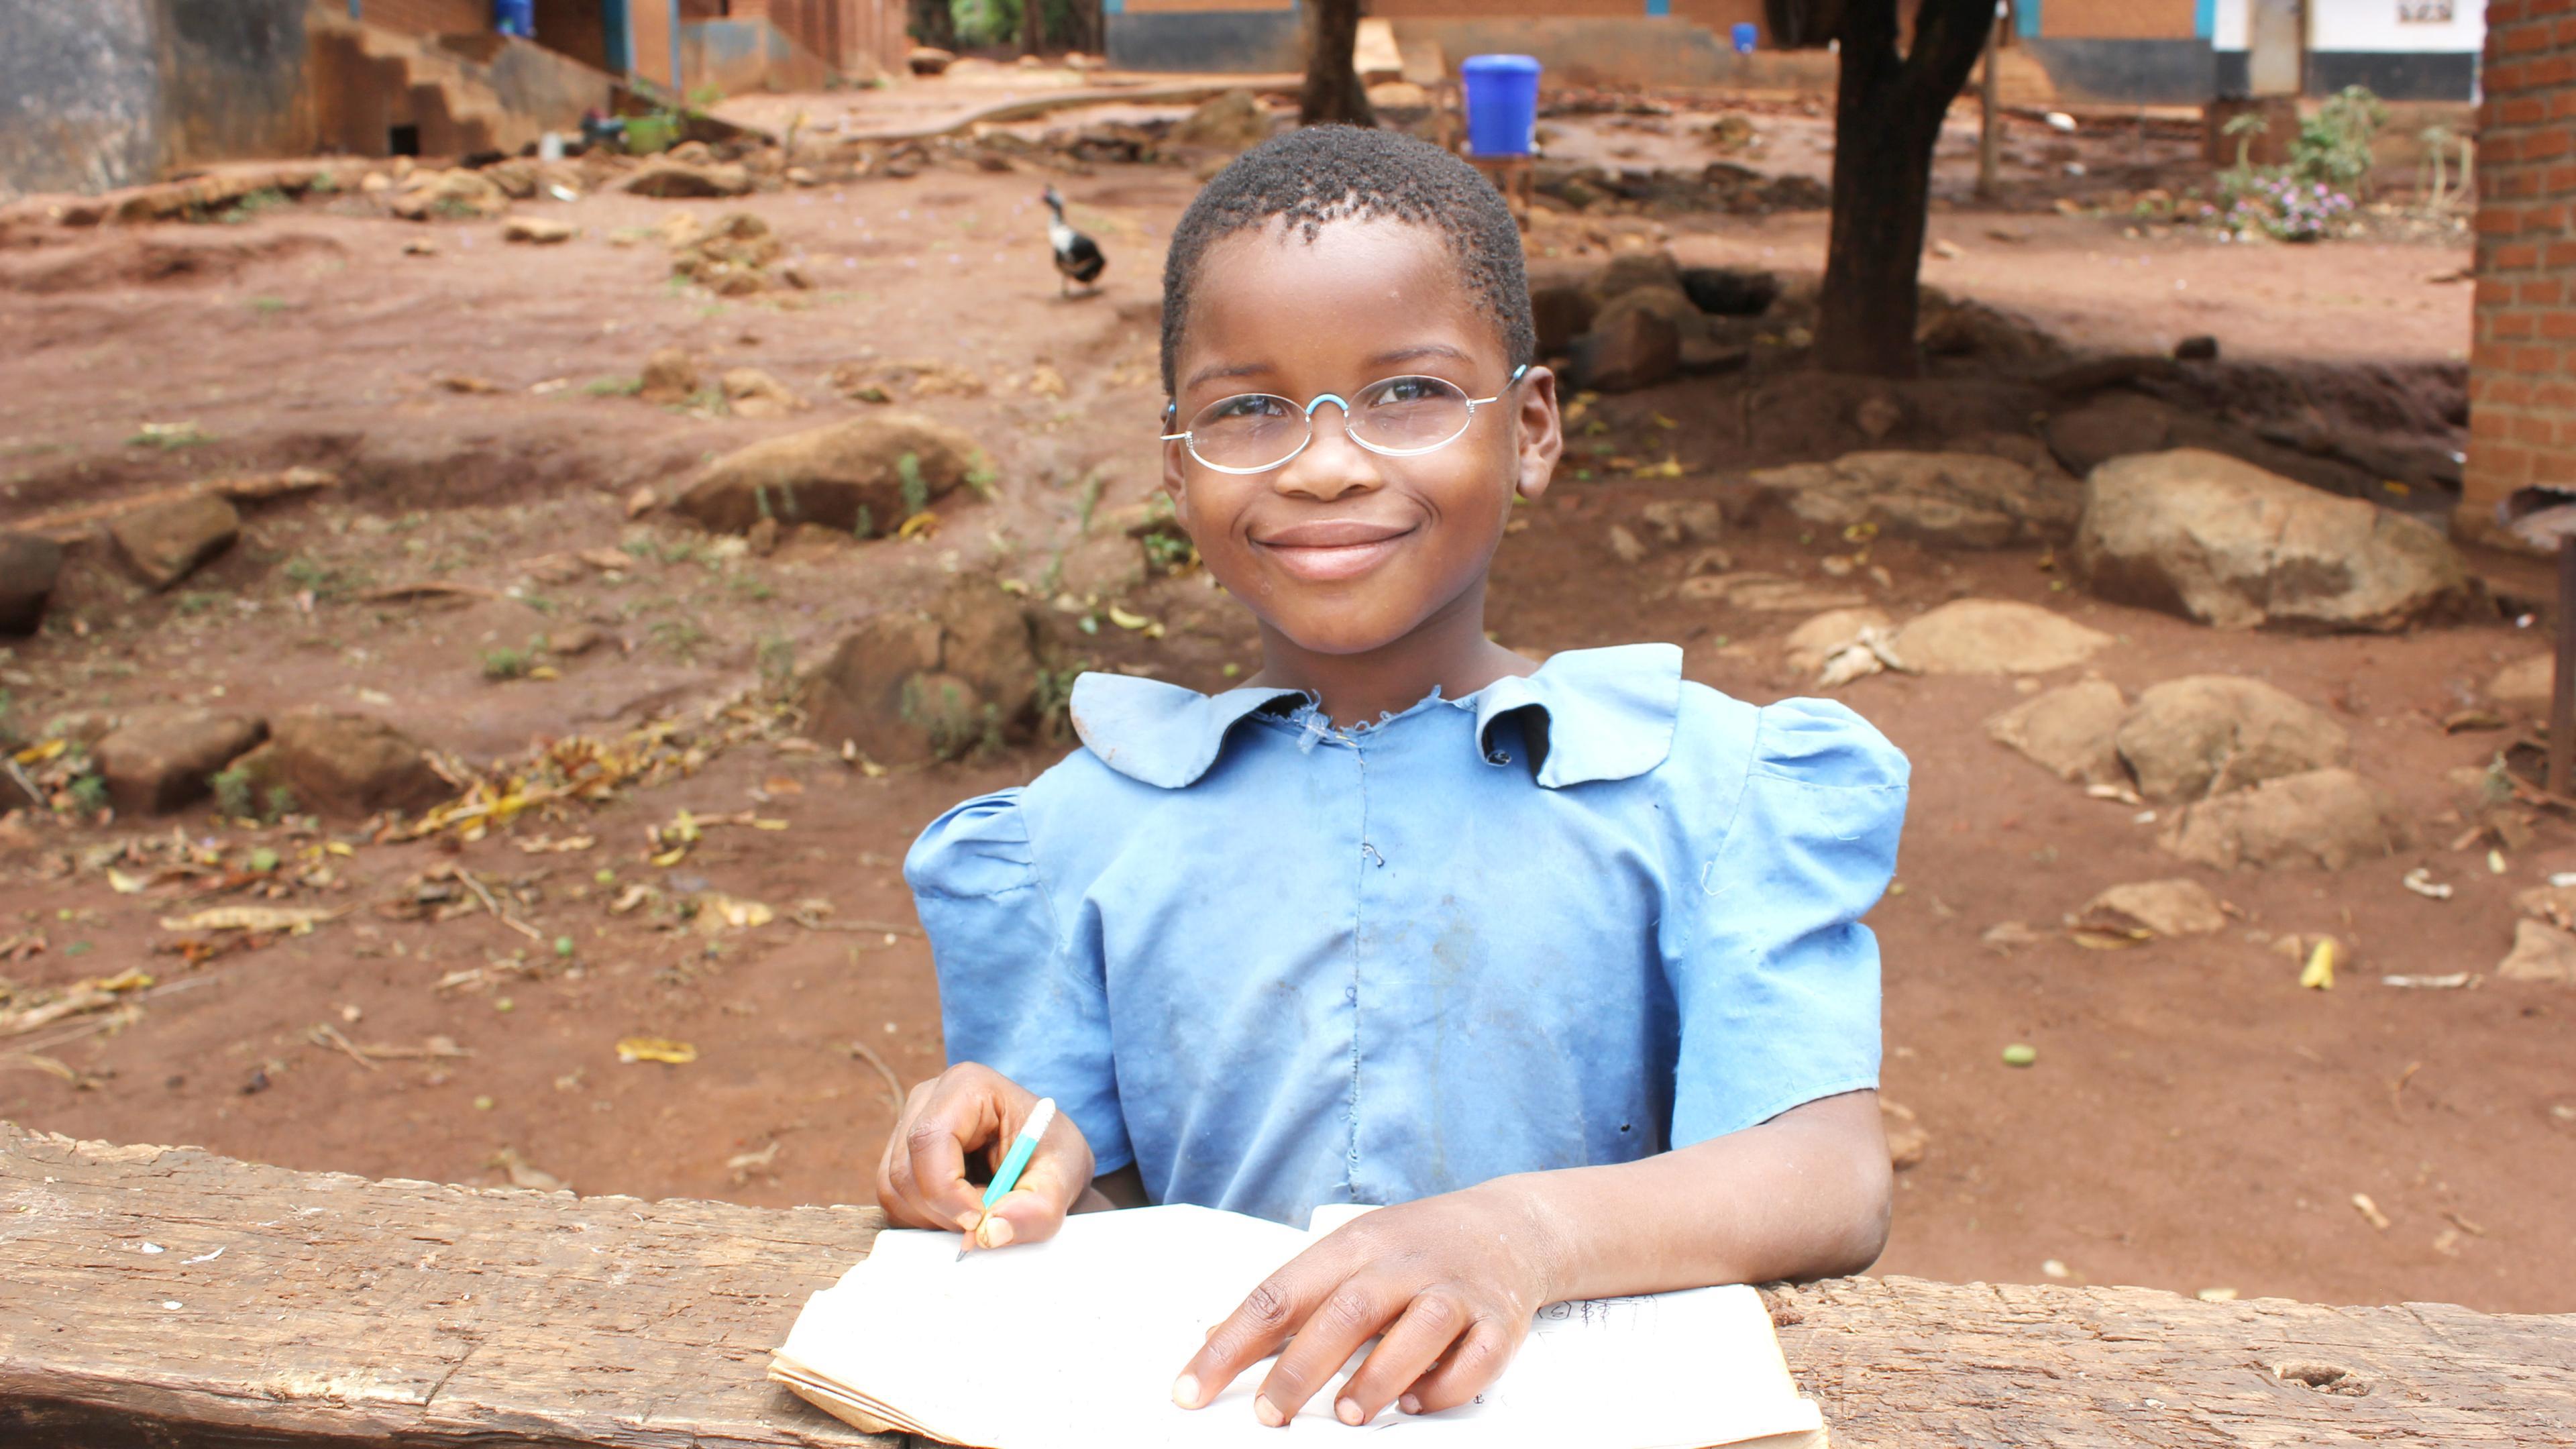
x,y
2522,371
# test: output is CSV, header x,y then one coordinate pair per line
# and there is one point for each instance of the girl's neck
x,y
1448,652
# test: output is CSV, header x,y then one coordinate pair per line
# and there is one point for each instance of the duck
x,y
1077,257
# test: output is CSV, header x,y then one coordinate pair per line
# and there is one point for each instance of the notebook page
x,y
1074,1343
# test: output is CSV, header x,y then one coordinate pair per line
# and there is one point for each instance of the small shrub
x,y
281,802
613,387
232,789
89,795
916,492
505,663
776,658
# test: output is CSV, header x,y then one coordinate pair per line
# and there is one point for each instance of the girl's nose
x,y
1331,465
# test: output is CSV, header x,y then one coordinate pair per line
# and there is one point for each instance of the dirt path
x,y
2195,1120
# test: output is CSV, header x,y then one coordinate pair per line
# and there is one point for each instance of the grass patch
x,y
612,387
499,664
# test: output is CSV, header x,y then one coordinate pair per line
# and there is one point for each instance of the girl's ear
x,y
1541,428
1172,489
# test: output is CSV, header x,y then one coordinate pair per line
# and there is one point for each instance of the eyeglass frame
x,y
1173,410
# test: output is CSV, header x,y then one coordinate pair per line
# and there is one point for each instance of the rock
x,y
1628,271
1234,121
1994,636
671,179
1959,500
2164,907
161,760
929,60
1676,521
906,687
574,639
1625,546
2207,734
1697,348
1730,291
850,475
2068,731
2226,543
1826,635
1906,1139
2525,683
1877,416
1638,348
1562,311
29,564
2324,818
2201,348
670,376
536,230
344,765
2114,425
1991,336
448,195
2540,953
752,393
169,541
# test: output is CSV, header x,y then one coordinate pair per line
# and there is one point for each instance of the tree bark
x,y
1032,26
1333,91
1887,115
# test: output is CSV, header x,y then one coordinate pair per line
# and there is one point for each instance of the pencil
x,y
1014,1162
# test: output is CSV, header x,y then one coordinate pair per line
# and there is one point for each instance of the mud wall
x,y
736,56
79,95
232,79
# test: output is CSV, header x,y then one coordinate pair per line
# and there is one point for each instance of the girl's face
x,y
1340,549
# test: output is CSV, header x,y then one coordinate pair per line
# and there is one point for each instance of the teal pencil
x,y
1014,1163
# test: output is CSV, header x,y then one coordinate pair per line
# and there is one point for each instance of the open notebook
x,y
1075,1342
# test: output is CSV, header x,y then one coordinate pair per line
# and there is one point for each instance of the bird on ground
x,y
1077,257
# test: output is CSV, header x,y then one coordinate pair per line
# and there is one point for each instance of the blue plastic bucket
x,y
515,17
1746,35
1502,104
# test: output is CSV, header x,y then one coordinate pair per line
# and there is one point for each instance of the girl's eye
x,y
1410,390
1249,407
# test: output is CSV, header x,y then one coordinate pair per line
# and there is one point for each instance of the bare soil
x,y
2194,1121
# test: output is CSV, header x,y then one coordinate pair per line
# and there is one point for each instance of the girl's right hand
x,y
922,1183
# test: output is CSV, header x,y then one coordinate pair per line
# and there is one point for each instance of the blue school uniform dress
x,y
1574,918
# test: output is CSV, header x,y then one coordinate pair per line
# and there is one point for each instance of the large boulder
x,y
1960,500
1628,271
169,541
29,564
906,687
1994,636
1234,121
1636,347
2068,731
672,179
2324,818
344,765
2207,734
849,476
164,759
457,195
1696,348
2226,543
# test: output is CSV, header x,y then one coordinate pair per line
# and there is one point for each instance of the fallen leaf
x,y
125,885
2318,974
656,1049
250,918
2369,1211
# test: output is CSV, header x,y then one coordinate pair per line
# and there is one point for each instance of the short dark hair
x,y
1319,174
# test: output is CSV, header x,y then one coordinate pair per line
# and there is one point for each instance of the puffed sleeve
x,y
1775,979
1016,992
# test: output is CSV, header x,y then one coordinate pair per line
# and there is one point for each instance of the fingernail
x,y
969,1221
1268,1412
1348,1411
1185,1391
1409,1404
997,1231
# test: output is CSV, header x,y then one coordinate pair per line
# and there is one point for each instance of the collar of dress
x,y
1599,714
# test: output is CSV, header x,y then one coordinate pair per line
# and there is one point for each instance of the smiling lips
x,y
1336,548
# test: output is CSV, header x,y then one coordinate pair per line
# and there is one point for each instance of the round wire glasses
x,y
1399,417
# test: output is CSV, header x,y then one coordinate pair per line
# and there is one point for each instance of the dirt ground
x,y
2195,1120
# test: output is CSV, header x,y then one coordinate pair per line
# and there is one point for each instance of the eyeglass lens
x,y
1398,415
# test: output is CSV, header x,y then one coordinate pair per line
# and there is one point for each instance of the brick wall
x,y
2522,371
428,17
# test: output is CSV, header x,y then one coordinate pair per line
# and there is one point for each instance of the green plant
x,y
681,637
267,198
916,492
194,601
232,787
269,306
1055,699
981,477
89,795
505,663
2333,147
281,802
776,659
167,436
1093,483
613,387
865,525
2245,128
310,575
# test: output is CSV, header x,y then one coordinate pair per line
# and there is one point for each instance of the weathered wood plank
x,y
342,1312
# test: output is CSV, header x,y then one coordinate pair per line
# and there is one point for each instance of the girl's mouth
x,y
1331,549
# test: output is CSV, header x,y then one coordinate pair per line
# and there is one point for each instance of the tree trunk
x,y
1333,91
933,23
1032,26
1887,115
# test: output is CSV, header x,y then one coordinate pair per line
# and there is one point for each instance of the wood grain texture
x,y
343,1312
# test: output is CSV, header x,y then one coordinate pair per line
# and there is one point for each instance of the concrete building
x,y
2522,365
2176,52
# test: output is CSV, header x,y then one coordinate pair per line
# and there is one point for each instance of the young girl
x,y
1562,961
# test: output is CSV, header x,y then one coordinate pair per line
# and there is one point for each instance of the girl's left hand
x,y
1446,1284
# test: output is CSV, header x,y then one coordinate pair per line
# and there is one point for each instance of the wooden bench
x,y
169,1297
